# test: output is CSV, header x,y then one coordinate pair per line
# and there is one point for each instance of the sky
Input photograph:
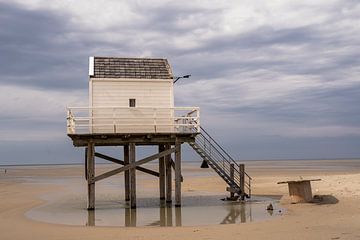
x,y
274,79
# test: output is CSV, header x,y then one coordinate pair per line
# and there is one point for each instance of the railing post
x,y
68,121
198,120
113,114
242,180
232,168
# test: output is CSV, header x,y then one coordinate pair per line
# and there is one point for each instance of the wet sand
x,y
23,188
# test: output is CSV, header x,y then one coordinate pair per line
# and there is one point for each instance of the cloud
x,y
31,114
269,70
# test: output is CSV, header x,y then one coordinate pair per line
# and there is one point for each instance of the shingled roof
x,y
114,67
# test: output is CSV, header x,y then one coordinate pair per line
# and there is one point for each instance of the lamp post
x,y
177,78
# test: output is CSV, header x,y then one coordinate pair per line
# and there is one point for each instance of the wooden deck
x,y
121,139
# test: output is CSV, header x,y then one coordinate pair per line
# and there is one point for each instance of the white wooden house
x,y
131,103
131,95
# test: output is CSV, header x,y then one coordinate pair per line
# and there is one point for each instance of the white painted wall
x,y
154,93
117,92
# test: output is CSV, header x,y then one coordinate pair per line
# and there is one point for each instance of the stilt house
x,y
131,102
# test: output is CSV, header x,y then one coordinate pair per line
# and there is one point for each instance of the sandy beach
x,y
337,217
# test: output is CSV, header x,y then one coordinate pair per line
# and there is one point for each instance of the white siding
x,y
117,92
147,92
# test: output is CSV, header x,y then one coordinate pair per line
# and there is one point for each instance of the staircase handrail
x,y
223,150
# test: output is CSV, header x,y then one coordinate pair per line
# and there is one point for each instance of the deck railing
x,y
102,120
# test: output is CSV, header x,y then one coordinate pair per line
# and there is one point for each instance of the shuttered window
x,y
132,102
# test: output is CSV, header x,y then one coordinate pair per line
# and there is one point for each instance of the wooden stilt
x,y
90,175
168,176
177,174
162,173
127,173
232,168
132,153
242,180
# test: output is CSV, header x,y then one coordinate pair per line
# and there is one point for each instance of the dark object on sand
x,y
204,164
270,207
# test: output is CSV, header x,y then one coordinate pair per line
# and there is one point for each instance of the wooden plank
x,y
80,140
91,174
114,160
133,165
162,173
132,157
168,175
178,174
126,174
299,181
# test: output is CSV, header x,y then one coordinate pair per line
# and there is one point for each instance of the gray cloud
x,y
34,51
280,84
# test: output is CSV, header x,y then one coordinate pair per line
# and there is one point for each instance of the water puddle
x,y
195,211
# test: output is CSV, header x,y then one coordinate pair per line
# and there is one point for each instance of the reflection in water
x,y
91,218
178,216
130,217
236,213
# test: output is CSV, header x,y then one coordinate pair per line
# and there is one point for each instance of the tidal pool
x,y
195,211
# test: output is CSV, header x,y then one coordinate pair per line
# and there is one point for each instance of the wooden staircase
x,y
223,164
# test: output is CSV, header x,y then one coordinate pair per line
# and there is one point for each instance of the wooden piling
x,y
177,174
127,173
132,157
232,168
91,175
162,174
168,176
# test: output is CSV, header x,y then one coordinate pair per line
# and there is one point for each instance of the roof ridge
x,y
139,58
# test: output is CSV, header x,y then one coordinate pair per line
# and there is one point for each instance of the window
x,y
132,102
